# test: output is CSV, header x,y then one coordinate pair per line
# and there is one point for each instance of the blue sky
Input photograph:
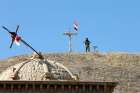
x,y
112,25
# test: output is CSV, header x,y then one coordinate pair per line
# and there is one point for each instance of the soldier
x,y
87,45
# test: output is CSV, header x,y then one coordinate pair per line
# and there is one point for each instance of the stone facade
x,y
37,70
45,76
56,87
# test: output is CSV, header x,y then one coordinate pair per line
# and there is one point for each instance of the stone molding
x,y
56,86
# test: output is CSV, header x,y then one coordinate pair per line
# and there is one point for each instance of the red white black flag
x,y
75,25
17,40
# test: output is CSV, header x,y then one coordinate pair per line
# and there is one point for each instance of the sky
x,y
112,25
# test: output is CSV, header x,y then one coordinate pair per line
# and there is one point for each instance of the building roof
x,y
37,70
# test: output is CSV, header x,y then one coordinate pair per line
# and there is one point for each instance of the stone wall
x,y
56,87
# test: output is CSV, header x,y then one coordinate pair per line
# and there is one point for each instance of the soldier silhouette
x,y
87,45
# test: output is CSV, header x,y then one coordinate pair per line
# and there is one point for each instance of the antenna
x,y
70,34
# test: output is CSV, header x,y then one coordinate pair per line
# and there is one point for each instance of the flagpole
x,y
40,56
70,34
70,45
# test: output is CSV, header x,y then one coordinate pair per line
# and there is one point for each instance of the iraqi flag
x,y
75,26
17,40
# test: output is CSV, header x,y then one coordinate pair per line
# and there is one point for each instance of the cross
x,y
70,34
